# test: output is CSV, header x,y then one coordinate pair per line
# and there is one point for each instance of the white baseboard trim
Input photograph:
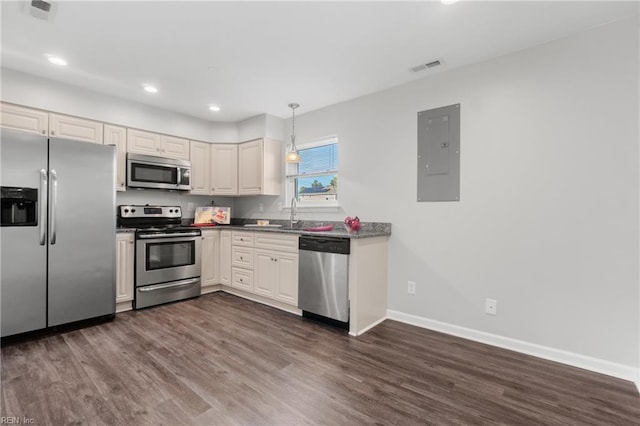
x,y
609,368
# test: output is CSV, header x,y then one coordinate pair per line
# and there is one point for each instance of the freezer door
x,y
23,276
81,231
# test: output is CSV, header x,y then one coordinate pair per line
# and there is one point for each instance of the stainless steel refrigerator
x,y
57,237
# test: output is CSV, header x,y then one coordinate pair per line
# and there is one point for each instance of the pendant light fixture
x,y
292,152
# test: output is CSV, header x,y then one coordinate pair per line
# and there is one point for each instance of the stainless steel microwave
x,y
146,171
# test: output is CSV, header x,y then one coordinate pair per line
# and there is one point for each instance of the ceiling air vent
x,y
41,9
423,67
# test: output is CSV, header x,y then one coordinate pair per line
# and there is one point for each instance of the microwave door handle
x,y
42,211
54,206
179,179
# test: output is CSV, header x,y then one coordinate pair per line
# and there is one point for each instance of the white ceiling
x,y
256,57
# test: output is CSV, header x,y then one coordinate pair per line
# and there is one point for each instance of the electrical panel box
x,y
439,154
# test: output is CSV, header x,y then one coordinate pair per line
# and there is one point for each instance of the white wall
x,y
36,92
548,218
261,126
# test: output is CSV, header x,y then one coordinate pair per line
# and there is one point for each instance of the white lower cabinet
x,y
286,278
124,270
276,275
225,257
262,263
276,267
242,278
210,258
265,283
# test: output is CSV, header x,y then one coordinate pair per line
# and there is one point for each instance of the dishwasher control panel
x,y
325,244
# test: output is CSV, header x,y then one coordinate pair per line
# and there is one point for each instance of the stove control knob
x,y
126,210
133,210
170,211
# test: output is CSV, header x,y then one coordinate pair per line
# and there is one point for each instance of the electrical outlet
x,y
411,287
190,207
261,207
490,306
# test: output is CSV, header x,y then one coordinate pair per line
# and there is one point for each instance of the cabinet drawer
x,y
274,241
242,279
240,238
242,257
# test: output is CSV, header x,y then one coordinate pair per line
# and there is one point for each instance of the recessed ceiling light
x,y
448,1
214,108
56,60
150,89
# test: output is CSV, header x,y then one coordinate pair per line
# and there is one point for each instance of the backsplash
x,y
171,198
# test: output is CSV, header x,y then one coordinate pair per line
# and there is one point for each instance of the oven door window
x,y
171,254
155,174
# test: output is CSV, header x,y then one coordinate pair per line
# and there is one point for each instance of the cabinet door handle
x,y
241,280
53,133
131,242
213,189
241,258
44,132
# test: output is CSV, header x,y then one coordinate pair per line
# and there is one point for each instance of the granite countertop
x,y
123,230
367,229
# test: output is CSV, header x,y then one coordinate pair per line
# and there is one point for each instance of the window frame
x,y
291,175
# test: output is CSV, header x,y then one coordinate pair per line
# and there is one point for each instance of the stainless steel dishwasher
x,y
323,278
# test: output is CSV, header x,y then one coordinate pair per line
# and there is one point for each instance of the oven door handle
x,y
169,235
181,283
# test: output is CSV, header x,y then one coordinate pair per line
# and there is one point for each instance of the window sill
x,y
314,207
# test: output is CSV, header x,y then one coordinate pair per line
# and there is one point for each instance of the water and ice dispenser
x,y
19,206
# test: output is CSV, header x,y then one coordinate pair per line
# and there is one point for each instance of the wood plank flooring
x,y
220,359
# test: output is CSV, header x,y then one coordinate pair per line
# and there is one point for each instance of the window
x,y
314,181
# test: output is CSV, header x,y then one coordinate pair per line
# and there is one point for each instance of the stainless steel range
x,y
167,266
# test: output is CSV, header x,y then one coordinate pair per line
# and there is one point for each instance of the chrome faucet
x,y
294,212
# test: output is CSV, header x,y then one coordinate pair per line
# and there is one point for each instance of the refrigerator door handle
x,y
54,205
42,211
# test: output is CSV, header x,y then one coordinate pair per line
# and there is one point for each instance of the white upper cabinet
x,y
173,147
116,135
141,142
259,165
250,168
224,169
24,119
149,143
200,168
80,129
214,169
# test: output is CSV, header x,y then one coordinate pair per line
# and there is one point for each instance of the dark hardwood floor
x,y
221,359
